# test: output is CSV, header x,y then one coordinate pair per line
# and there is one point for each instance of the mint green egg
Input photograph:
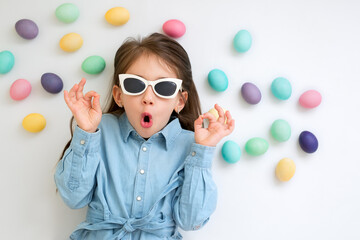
x,y
280,130
7,61
218,80
67,12
281,88
231,152
256,146
242,41
93,65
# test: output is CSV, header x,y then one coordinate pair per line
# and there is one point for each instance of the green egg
x,y
231,151
281,88
280,130
93,65
67,12
6,61
242,41
256,146
218,80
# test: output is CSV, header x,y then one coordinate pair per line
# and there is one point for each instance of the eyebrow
x,y
150,80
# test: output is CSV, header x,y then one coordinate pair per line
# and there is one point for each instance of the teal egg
x,y
231,151
281,88
6,61
256,146
67,12
242,41
218,80
93,65
280,130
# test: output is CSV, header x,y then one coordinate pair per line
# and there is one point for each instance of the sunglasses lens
x,y
165,88
133,85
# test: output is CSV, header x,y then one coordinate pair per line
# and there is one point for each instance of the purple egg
x,y
26,28
51,82
251,93
308,142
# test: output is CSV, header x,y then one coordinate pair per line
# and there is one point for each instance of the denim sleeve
x,y
75,172
195,201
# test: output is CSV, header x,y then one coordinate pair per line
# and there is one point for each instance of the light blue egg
x,y
6,61
231,151
242,41
281,88
218,80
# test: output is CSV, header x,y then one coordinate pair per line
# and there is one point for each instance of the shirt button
x,y
82,142
142,171
138,198
193,153
144,149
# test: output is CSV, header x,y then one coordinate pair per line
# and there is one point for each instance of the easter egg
x,y
242,41
34,122
218,80
251,93
280,130
281,88
231,151
310,99
285,169
93,65
256,146
67,12
117,16
71,42
6,61
26,28
174,28
20,89
51,82
214,112
308,142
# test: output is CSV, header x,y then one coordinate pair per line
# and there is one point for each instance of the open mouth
x,y
146,120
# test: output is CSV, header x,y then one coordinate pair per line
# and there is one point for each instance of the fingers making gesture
x,y
85,108
217,128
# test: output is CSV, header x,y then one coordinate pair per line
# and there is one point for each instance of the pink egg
x,y
310,99
174,28
20,89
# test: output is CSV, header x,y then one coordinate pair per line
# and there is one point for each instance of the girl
x,y
143,169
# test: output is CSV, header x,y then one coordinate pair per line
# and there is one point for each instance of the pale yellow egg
x,y
34,122
214,112
71,42
285,169
117,16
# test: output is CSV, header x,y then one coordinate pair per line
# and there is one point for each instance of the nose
x,y
148,96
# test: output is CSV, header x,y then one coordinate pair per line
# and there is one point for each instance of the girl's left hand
x,y
217,128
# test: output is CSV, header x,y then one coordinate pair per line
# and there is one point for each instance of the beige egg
x,y
214,112
285,169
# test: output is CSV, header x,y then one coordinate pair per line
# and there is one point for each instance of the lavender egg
x,y
26,29
51,82
251,93
308,142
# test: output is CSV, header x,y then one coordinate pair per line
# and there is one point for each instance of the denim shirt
x,y
136,188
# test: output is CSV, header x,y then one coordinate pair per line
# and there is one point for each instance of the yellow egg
x,y
285,169
34,122
214,112
71,42
117,16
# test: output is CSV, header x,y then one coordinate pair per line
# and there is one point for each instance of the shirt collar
x,y
169,132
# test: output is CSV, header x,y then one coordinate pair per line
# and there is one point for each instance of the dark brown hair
x,y
174,55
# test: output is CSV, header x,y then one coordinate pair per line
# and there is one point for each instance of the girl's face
x,y
147,112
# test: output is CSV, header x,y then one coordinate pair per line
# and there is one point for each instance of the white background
x,y
313,43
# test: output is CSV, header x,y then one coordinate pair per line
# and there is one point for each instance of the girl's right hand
x,y
86,109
